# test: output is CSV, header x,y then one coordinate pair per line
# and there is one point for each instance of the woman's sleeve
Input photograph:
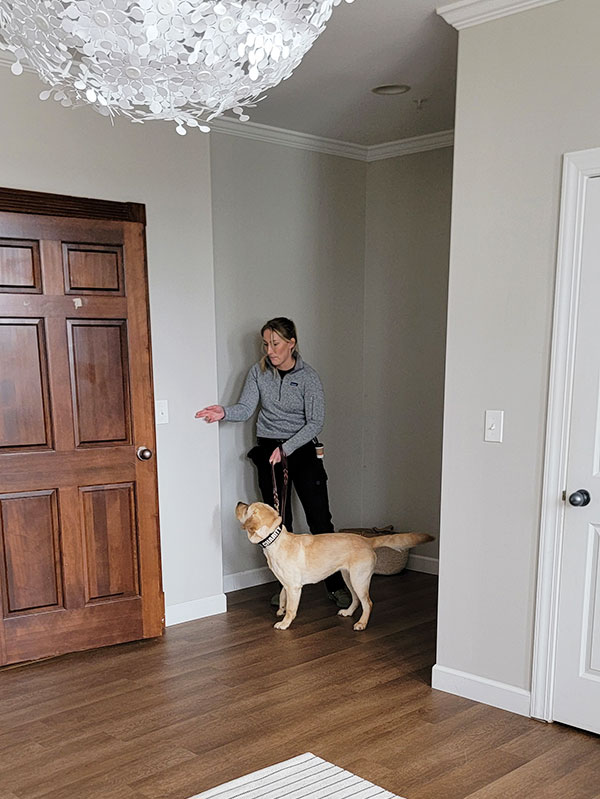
x,y
248,401
314,410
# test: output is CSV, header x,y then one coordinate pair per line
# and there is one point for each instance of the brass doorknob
x,y
144,454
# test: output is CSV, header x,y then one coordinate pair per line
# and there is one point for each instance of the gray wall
x,y
289,241
526,95
290,228
406,287
45,147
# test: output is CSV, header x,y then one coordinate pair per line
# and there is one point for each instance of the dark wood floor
x,y
224,696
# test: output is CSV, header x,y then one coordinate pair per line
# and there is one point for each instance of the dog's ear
x,y
241,509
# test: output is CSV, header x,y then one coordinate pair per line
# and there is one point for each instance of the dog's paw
x,y
282,625
281,611
345,612
360,626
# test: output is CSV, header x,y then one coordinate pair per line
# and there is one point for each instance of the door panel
x,y
592,615
20,266
78,510
24,419
30,551
111,541
99,373
93,269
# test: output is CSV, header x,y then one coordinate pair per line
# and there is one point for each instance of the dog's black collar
x,y
266,542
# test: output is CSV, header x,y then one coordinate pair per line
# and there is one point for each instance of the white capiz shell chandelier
x,y
182,60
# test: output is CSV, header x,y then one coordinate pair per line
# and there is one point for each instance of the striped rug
x,y
302,777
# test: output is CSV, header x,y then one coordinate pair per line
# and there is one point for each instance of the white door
x,y
577,664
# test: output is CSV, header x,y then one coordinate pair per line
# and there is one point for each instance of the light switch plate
x,y
494,426
161,410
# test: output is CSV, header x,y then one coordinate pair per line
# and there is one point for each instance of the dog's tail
x,y
400,541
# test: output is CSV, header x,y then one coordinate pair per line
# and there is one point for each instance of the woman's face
x,y
278,350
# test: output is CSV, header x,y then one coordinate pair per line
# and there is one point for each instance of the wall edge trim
x,y
318,144
423,563
247,579
417,144
290,138
481,689
195,609
467,13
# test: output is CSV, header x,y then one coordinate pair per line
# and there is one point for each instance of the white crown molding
x,y
418,144
289,138
466,13
358,152
315,144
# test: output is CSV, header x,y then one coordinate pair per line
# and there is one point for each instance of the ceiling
x,y
367,44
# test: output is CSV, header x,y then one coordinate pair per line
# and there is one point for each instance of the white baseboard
x,y
423,563
196,609
247,579
480,689
234,582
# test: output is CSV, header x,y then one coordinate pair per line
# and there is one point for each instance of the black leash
x,y
280,507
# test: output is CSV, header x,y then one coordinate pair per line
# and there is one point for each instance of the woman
x,y
292,411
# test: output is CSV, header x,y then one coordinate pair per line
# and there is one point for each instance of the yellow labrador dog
x,y
300,559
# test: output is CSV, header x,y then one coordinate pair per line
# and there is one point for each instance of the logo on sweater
x,y
293,384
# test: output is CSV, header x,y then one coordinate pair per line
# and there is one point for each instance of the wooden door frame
x,y
578,169
20,201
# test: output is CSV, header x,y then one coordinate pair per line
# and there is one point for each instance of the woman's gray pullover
x,y
292,407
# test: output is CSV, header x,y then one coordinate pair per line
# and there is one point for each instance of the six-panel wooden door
x,y
79,545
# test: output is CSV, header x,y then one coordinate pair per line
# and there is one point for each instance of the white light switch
x,y
494,426
161,410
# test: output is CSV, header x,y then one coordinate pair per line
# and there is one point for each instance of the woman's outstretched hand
x,y
275,457
213,413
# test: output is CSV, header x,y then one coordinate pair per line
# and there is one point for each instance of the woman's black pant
x,y
308,476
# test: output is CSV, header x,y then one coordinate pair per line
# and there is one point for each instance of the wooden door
x,y
79,546
577,667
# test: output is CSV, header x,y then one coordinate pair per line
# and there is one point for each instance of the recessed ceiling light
x,y
391,88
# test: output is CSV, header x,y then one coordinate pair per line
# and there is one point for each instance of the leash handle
x,y
280,506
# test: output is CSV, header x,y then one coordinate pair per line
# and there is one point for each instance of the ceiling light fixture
x,y
188,61
391,88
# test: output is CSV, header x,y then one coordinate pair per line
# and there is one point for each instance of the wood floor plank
x,y
69,752
22,753
27,733
122,767
536,740
432,777
540,774
67,701
224,696
580,783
